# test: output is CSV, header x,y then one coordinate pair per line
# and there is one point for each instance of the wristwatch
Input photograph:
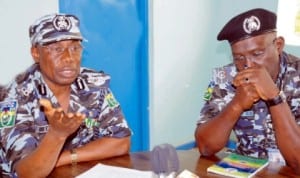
x,y
280,98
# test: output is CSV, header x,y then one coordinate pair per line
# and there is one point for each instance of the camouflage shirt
x,y
254,129
27,125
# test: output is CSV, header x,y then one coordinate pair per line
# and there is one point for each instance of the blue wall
x,y
117,43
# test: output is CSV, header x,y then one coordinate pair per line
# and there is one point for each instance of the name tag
x,y
248,113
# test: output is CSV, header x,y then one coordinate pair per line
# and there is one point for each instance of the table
x,y
189,159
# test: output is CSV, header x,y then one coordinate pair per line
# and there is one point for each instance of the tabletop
x,y
189,159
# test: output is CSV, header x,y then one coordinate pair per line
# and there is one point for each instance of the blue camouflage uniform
x,y
254,129
27,125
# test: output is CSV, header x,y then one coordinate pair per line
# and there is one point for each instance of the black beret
x,y
248,24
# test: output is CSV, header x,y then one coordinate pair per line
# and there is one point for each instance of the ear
x,y
35,54
280,44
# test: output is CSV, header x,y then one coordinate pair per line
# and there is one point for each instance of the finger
x,y
45,104
247,80
58,114
80,115
70,115
77,117
253,93
242,82
240,79
256,99
244,76
236,82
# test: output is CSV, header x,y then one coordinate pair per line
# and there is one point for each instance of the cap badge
x,y
62,23
251,24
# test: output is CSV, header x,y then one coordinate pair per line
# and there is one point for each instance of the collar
x,y
282,70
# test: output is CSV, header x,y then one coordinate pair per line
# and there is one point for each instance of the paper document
x,y
101,170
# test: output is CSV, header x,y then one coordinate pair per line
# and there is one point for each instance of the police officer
x,y
256,96
57,112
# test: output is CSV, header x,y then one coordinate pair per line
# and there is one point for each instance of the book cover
x,y
238,166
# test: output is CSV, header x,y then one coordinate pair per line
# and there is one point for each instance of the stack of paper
x,y
101,170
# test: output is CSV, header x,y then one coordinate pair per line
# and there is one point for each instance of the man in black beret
x,y
257,96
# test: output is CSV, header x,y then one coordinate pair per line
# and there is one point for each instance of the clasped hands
x,y
61,123
253,84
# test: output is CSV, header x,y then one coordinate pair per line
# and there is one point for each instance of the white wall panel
x,y
15,18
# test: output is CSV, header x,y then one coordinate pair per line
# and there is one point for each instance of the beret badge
x,y
62,23
251,24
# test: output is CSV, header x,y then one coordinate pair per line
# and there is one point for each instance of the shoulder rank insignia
x,y
209,91
8,113
112,102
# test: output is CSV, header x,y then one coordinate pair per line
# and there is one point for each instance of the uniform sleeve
x,y
291,83
104,112
18,141
219,92
17,128
293,100
112,120
216,98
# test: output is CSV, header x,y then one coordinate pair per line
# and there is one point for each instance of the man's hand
x,y
61,123
260,79
246,96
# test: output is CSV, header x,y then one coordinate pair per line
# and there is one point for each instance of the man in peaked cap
x,y
57,112
256,96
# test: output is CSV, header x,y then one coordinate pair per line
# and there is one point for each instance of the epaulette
x,y
94,78
224,74
25,75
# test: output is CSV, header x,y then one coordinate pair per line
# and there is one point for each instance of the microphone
x,y
164,161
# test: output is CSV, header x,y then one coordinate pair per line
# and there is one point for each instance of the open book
x,y
235,165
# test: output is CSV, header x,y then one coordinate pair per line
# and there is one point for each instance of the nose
x,y
249,62
67,56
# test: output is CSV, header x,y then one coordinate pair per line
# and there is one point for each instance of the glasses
x,y
256,55
57,50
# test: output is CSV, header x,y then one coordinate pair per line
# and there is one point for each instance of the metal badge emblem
x,y
62,23
251,24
